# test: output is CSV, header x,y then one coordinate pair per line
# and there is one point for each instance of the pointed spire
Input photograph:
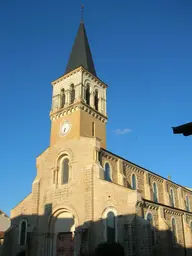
x,y
81,53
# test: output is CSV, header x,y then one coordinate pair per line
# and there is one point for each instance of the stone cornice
x,y
79,105
132,167
109,156
172,211
150,206
156,178
173,185
92,77
63,77
139,203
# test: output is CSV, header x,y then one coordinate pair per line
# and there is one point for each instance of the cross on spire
x,y
81,53
82,10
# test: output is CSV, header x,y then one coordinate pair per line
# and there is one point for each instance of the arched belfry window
x,y
107,172
110,221
72,94
65,171
87,94
187,203
133,181
172,200
151,228
155,196
23,233
62,98
96,100
174,231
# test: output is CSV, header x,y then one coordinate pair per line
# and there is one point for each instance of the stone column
x,y
100,107
55,102
67,99
81,94
166,193
147,186
105,102
120,172
180,198
78,92
83,89
92,99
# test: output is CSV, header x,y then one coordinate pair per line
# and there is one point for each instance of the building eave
x,y
80,68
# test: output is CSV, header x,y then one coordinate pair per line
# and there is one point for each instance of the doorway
x,y
65,244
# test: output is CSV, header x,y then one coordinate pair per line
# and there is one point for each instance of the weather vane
x,y
82,9
169,177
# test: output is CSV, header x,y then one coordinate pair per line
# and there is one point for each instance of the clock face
x,y
65,128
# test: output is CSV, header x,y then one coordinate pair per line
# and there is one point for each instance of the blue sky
x,y
142,50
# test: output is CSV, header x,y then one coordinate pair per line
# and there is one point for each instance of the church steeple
x,y
81,53
79,106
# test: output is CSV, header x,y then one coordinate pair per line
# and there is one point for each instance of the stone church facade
x,y
83,194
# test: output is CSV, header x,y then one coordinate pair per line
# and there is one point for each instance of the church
x,y
83,195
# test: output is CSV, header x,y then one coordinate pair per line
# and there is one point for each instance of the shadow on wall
x,y
58,234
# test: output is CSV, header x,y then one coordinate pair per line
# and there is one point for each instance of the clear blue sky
x,y
142,50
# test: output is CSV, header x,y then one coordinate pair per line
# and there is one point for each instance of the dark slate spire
x,y
81,53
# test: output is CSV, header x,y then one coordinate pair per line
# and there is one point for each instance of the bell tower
x,y
79,97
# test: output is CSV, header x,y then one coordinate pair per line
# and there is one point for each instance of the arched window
x,y
174,231
107,173
133,181
72,94
62,98
151,228
23,233
172,201
110,221
65,171
150,219
87,95
187,203
155,197
96,100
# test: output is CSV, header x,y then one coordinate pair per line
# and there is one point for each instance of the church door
x,y
65,244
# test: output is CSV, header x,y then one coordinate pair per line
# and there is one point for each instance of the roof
x,y
81,53
4,222
185,129
136,165
2,213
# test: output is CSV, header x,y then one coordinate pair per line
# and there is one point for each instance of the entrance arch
x,y
62,228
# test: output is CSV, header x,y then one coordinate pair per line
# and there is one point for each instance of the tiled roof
x,y
81,53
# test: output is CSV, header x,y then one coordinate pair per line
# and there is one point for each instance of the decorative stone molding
x,y
84,71
171,184
132,167
93,78
76,107
139,203
61,78
173,212
156,178
109,156
150,206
